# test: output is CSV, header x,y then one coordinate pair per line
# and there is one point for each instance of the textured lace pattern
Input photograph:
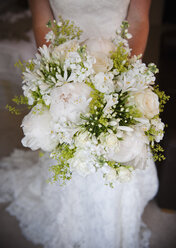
x,y
100,18
85,213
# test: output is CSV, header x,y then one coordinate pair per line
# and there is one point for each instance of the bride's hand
x,y
138,19
41,14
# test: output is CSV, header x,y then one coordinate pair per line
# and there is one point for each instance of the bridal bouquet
x,y
93,106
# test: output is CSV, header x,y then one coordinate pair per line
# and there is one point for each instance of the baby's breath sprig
x,y
120,58
156,148
163,98
23,65
157,151
124,29
152,133
61,171
153,68
18,100
64,30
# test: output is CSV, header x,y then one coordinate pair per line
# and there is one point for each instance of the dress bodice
x,y
97,18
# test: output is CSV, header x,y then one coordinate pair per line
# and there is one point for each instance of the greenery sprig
x,y
61,170
64,30
120,58
18,100
163,98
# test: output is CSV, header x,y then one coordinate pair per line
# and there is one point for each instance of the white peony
x,y
130,147
37,130
100,49
140,162
124,174
69,101
147,102
82,163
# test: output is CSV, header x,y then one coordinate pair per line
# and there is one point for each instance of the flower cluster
x,y
93,106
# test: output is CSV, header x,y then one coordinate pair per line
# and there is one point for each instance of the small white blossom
x,y
103,82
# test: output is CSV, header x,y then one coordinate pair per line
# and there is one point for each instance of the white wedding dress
x,y
85,213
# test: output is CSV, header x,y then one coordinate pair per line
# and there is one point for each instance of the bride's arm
x,y
138,18
41,14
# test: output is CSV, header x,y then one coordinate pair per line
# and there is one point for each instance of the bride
x,y
85,213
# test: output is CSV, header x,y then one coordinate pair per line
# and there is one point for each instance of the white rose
x,y
69,101
147,102
37,130
100,49
124,175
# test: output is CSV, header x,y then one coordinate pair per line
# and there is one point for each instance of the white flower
x,y
111,142
69,101
147,102
103,82
82,162
130,147
50,36
64,132
45,52
137,78
76,67
140,161
82,139
111,101
124,174
125,128
159,127
144,123
37,130
62,51
100,49
110,174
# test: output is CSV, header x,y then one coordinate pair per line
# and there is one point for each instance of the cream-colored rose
x,y
100,49
147,102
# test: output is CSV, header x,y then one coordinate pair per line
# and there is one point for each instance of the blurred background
x,y
17,42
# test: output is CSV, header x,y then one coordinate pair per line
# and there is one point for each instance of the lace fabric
x,y
97,19
84,213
